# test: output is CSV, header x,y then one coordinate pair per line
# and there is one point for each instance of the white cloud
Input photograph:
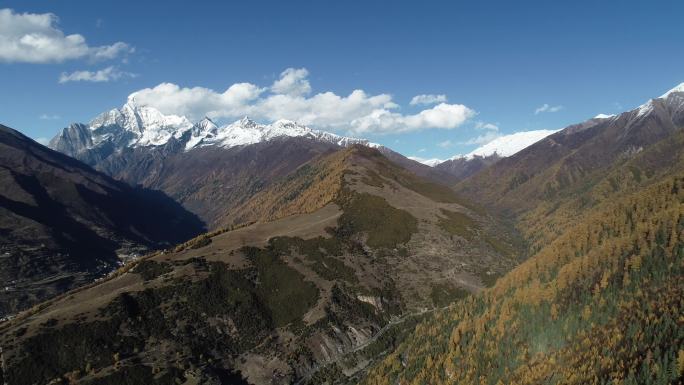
x,y
49,117
288,98
427,99
36,38
547,108
108,74
292,82
446,116
486,126
198,102
109,52
445,144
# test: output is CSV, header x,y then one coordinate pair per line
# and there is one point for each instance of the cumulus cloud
x,y
108,74
197,102
36,38
289,98
447,116
547,108
292,81
427,99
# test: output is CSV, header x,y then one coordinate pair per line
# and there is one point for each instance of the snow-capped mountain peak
x,y
679,88
503,146
204,129
135,125
246,131
139,125
508,145
247,122
673,97
206,123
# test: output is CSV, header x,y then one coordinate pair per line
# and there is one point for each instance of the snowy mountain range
x,y
507,145
502,146
134,125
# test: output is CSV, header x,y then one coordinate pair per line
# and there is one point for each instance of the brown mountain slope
x,y
576,167
600,299
211,181
332,280
462,168
571,160
599,303
62,223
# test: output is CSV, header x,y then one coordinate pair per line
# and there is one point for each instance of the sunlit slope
x,y
601,303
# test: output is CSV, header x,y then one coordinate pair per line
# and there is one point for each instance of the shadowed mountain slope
x,y
62,223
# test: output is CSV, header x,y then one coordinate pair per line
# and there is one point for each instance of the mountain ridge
x,y
277,299
208,169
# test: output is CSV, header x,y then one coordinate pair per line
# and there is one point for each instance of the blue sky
x,y
499,61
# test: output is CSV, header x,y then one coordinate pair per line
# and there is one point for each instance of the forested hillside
x,y
327,268
599,301
600,304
